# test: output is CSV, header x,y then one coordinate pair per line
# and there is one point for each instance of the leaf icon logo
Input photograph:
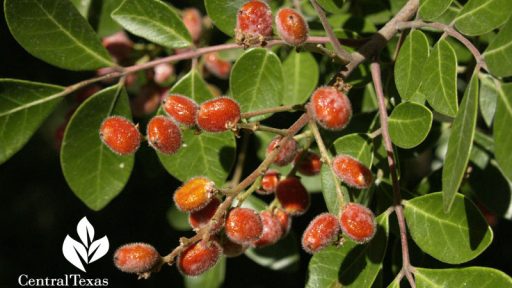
x,y
86,251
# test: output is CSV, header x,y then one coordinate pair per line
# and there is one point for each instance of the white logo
x,y
89,250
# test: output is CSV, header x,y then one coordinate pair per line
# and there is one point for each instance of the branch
x,y
397,198
286,108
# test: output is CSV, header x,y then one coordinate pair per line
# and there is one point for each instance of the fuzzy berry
x,y
183,109
287,152
308,163
136,258
254,21
293,196
218,114
198,258
193,22
284,220
243,226
230,248
320,233
358,222
331,108
120,135
216,65
269,182
195,194
291,26
201,217
352,172
272,230
164,134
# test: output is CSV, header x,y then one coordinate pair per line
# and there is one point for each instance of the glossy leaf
x,y
223,13
351,265
106,25
409,124
82,6
481,16
332,6
439,83
501,131
497,55
95,173
256,80
431,9
284,255
300,72
23,107
55,32
488,97
154,21
413,54
470,277
460,143
213,278
329,190
455,237
357,145
192,85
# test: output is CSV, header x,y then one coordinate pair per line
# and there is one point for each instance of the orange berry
x,y
164,134
291,26
243,226
217,66
284,220
136,258
193,22
183,109
120,135
195,194
198,258
308,163
331,108
199,218
218,114
254,19
321,232
287,152
352,172
293,196
269,182
272,230
358,223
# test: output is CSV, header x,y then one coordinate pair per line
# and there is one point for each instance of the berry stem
x,y
256,126
397,198
239,169
243,196
287,108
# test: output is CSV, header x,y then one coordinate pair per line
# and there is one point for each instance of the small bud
x,y
269,182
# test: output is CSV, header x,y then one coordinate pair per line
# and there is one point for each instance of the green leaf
x,y
178,219
501,131
23,107
284,255
454,238
439,83
431,9
154,21
488,97
409,124
470,277
329,190
497,55
55,32
460,143
213,278
332,6
351,265
82,6
481,16
223,13
106,25
413,54
95,173
357,145
300,72
256,80
193,86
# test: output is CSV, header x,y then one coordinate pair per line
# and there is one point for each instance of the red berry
x,y
243,226
254,21
230,248
293,196
163,73
291,26
198,258
284,220
352,172
136,258
217,66
358,223
164,134
269,182
195,194
286,154
331,108
193,22
218,115
120,135
308,163
118,45
199,218
183,109
272,230
320,233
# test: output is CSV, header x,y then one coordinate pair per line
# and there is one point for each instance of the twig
x,y
239,169
286,108
256,126
397,198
